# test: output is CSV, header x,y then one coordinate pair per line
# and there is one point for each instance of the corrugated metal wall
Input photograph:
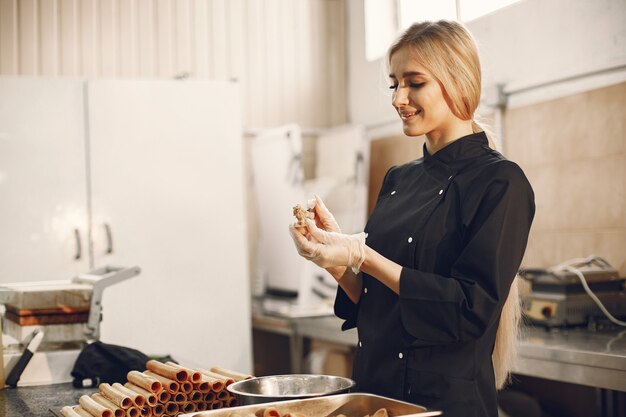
x,y
289,55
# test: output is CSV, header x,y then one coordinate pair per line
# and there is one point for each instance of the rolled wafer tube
x,y
167,370
169,384
194,376
82,412
171,408
186,387
132,412
224,379
151,398
138,399
164,396
202,386
187,407
216,405
237,376
195,396
201,406
144,381
158,410
231,402
101,399
68,411
267,412
179,397
145,412
214,383
222,395
96,409
116,397
209,397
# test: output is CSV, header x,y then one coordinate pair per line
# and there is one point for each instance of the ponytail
x,y
504,352
479,126
505,349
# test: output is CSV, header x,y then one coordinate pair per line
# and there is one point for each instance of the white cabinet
x,y
43,181
167,179
166,192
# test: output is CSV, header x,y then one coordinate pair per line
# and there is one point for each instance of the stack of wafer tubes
x,y
162,390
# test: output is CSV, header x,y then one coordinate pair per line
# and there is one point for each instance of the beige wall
x,y
288,55
573,150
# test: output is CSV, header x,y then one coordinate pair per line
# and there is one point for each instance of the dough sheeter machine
x,y
67,312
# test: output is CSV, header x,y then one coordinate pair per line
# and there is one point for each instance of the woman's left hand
x,y
329,249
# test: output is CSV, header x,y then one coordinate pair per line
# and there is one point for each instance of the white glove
x,y
329,249
323,217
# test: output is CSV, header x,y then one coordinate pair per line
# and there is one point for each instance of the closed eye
x,y
411,85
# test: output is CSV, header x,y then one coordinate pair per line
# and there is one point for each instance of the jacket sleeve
x,y
438,309
344,307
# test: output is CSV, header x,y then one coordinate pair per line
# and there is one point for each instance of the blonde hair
x,y
449,52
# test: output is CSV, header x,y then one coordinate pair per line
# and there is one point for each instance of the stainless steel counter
x,y
596,359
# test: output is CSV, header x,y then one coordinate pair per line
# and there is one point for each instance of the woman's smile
x,y
409,116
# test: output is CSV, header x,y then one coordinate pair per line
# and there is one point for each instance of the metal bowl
x,y
266,389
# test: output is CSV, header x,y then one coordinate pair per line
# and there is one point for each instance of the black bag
x,y
101,362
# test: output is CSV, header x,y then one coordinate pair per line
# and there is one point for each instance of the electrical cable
x,y
570,266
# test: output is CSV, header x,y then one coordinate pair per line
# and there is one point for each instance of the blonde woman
x,y
427,283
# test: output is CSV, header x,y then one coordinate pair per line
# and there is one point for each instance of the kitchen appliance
x,y
68,314
575,292
266,389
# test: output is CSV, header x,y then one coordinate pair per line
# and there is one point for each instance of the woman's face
x,y
418,98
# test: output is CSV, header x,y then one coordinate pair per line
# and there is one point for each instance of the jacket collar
x,y
455,156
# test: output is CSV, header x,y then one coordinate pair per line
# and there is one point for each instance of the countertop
x,y
35,401
592,358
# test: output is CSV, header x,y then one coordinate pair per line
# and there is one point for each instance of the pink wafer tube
x,y
81,412
151,398
116,397
138,399
101,399
167,371
158,410
171,408
237,376
186,387
202,386
169,384
223,379
68,411
214,384
98,410
132,412
144,381
164,396
193,375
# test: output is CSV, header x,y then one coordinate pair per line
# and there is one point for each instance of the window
x,y
385,19
473,9
411,11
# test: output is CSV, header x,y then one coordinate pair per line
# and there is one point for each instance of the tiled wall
x,y
573,150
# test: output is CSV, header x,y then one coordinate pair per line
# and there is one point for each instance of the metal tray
x,y
352,405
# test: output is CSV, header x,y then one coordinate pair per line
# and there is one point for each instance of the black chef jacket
x,y
457,222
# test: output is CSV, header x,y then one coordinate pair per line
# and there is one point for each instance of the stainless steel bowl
x,y
266,389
